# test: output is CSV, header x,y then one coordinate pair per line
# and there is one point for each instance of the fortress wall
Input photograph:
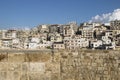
x,y
60,65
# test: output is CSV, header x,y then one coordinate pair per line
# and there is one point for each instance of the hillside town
x,y
63,36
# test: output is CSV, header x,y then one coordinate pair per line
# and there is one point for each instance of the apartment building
x,y
58,45
115,25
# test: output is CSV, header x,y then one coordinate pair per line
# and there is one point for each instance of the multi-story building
x,y
117,39
62,36
68,31
95,44
87,29
45,44
75,42
53,28
11,34
6,43
58,45
16,43
43,37
43,28
89,34
115,25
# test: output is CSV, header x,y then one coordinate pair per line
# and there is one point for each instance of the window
x,y
95,44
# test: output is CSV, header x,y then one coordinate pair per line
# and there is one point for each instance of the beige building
x,y
76,42
58,38
88,34
43,28
115,25
96,44
58,45
6,43
68,31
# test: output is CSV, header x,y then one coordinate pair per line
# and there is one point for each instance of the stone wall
x,y
60,65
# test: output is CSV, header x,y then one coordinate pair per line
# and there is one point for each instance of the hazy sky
x,y
23,13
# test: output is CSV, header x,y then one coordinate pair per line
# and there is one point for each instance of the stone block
x,y
25,66
37,67
100,68
36,76
24,76
56,58
38,57
3,57
11,75
3,75
3,66
16,57
94,64
14,66
48,75
55,77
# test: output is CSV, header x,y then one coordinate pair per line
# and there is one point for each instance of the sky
x,y
30,13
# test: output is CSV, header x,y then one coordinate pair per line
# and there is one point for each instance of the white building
x,y
106,40
90,26
68,31
75,42
83,42
6,43
88,34
11,34
58,45
45,44
32,45
58,38
96,44
16,43
35,39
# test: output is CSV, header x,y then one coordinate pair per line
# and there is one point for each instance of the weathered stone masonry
x,y
60,65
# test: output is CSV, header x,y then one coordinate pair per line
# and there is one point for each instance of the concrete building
x,y
3,33
6,43
75,42
53,28
110,46
34,39
83,43
16,43
89,26
43,28
43,37
45,44
11,34
73,25
69,36
96,44
32,45
106,40
87,29
52,38
107,37
115,25
117,39
68,31
58,38
58,45
88,34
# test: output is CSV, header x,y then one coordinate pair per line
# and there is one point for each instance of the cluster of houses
x,y
63,36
